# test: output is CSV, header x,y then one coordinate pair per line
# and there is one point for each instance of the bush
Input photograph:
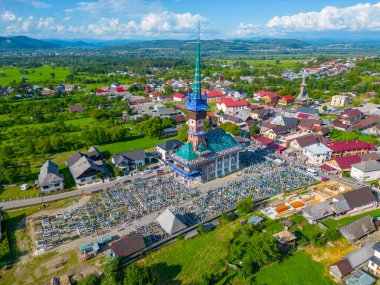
x,y
89,280
138,275
332,235
245,206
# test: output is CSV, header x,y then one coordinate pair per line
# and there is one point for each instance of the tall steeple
x,y
195,101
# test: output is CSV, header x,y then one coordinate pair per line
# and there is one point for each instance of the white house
x,y
49,179
230,105
366,170
374,261
317,153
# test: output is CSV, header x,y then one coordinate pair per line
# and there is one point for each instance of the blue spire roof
x,y
196,102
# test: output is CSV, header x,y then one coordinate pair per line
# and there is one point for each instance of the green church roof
x,y
187,152
218,142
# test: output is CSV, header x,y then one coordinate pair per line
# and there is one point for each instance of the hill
x,y
21,42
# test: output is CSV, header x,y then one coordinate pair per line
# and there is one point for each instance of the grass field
x,y
262,63
34,75
335,224
14,192
185,261
296,269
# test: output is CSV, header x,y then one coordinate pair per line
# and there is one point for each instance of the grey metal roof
x,y
307,110
129,156
361,255
340,206
170,222
358,228
170,145
319,211
284,121
367,166
84,164
49,174
74,158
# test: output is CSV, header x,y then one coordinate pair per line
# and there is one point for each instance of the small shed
x,y
359,277
255,220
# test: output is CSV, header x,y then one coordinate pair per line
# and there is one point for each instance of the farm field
x,y
35,74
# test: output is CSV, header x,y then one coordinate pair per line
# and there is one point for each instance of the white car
x,y
24,187
146,171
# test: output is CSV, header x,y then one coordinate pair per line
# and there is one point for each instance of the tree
x,y
111,274
245,206
138,275
324,108
254,130
332,235
230,128
182,133
201,228
91,279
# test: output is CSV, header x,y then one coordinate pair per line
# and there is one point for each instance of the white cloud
x,y
163,24
252,30
353,18
7,16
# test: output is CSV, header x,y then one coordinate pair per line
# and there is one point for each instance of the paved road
x,y
61,196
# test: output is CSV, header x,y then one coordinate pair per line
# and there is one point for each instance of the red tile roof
x,y
345,162
178,95
101,91
215,93
288,97
263,93
340,146
229,102
263,140
120,89
326,167
303,116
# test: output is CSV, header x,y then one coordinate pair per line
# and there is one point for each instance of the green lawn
x,y
185,261
296,269
15,192
34,74
335,224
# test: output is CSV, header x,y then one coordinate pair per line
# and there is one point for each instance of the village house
x,y
128,245
178,97
168,147
214,96
358,229
366,123
50,179
69,88
286,100
230,105
305,140
341,100
269,98
343,163
259,112
350,116
317,212
345,148
317,154
129,161
374,261
366,170
275,131
88,168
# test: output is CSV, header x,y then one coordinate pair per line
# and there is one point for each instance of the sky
x,y
178,19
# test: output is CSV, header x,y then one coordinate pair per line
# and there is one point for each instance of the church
x,y
206,155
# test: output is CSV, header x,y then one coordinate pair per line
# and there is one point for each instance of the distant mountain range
x,y
14,43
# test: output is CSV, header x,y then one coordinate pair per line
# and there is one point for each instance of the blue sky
x,y
177,19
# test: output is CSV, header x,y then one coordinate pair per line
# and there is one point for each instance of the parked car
x,y
24,187
160,172
324,179
127,181
146,171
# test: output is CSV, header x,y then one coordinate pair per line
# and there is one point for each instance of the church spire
x,y
195,101
197,73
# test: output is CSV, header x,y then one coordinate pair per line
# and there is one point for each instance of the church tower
x,y
197,104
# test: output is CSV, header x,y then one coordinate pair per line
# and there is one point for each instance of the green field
x,y
296,269
34,74
185,261
262,63
335,224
